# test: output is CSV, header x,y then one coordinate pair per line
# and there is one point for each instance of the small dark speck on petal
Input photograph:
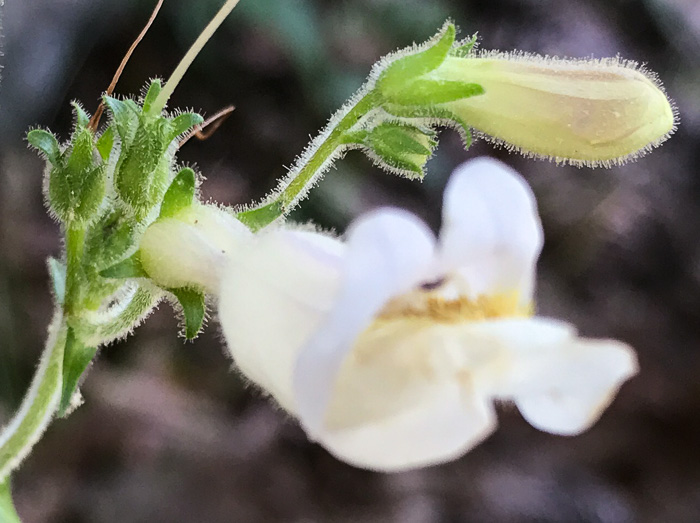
x,y
432,285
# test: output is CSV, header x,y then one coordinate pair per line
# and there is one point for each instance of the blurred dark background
x,y
169,433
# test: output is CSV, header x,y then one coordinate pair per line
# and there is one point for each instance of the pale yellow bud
x,y
583,112
191,248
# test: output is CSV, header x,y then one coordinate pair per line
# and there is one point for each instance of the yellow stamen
x,y
433,307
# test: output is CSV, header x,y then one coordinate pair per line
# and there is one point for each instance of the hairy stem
x,y
39,405
8,514
75,243
307,170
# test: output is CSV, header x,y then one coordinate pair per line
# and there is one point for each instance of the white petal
x,y
389,252
577,385
217,225
272,297
491,230
561,383
441,428
191,248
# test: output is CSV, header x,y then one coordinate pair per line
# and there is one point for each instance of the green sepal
x,y
80,157
125,115
142,174
76,358
57,271
193,308
400,147
76,187
45,142
465,47
446,117
400,139
432,92
180,194
109,240
407,68
256,219
81,117
105,143
129,268
8,513
408,169
151,95
183,123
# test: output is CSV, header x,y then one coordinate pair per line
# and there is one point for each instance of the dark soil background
x,y
169,433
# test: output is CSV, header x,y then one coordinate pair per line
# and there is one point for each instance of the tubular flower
x,y
391,348
583,112
190,249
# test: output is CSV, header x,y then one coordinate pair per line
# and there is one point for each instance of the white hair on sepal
x,y
109,325
385,61
143,91
474,40
48,167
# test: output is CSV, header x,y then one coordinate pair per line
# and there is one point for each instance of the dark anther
x,y
432,285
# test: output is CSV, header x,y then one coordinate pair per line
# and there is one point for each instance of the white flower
x,y
391,348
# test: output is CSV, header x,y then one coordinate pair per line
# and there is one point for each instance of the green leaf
x,y
465,47
193,307
151,95
76,359
8,514
433,92
407,68
57,271
184,123
46,143
129,268
180,193
81,117
105,143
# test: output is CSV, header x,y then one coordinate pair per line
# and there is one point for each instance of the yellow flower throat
x,y
428,305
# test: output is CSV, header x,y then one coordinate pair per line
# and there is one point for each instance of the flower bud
x,y
584,112
190,249
75,176
143,170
